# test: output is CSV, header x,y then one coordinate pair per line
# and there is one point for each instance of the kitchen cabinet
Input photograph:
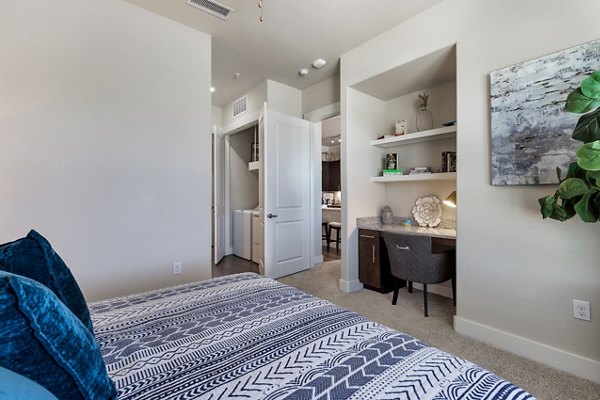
x,y
330,176
373,262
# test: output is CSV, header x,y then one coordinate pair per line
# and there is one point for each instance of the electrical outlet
x,y
177,268
581,310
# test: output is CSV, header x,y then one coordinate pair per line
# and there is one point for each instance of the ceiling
x,y
293,34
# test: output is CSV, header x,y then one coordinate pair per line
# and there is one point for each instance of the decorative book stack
x,y
448,161
388,172
420,170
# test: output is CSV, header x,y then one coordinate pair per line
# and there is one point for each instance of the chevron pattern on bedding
x,y
245,336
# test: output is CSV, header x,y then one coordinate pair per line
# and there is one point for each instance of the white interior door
x,y
219,196
286,155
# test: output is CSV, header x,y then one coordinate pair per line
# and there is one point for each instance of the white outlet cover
x,y
177,268
581,310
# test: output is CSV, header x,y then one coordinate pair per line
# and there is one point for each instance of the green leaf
x,y
546,205
591,86
588,127
588,156
579,103
587,207
559,213
559,173
594,178
572,187
575,171
569,207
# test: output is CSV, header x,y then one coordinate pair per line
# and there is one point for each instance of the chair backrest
x,y
411,259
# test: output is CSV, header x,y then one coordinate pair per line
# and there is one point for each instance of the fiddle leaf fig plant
x,y
579,192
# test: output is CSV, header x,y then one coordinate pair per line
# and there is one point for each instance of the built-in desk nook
x,y
373,262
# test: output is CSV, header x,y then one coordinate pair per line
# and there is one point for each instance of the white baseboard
x,y
350,286
572,363
317,260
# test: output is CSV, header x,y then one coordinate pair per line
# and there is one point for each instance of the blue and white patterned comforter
x,y
249,337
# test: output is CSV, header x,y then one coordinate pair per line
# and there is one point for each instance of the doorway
x,y
331,187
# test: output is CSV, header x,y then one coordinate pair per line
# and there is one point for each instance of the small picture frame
x,y
391,161
400,127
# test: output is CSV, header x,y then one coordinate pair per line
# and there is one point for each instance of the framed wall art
x,y
531,132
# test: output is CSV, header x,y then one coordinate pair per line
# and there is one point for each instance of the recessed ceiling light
x,y
303,71
319,63
236,75
212,89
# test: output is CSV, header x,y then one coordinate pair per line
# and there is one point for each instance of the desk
x,y
373,262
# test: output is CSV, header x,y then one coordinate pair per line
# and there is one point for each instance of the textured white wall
x,y
105,140
517,274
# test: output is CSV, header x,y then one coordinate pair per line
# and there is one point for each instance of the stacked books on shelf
x,y
420,170
448,161
389,172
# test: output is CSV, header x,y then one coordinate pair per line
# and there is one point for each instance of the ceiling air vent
x,y
212,7
240,106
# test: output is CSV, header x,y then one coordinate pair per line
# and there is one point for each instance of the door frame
x,y
316,117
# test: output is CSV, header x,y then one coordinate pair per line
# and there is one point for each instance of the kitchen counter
x,y
444,230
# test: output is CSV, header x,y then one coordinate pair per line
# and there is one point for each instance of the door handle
x,y
269,215
373,247
402,247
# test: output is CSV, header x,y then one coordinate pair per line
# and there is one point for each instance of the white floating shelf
x,y
445,132
442,176
253,166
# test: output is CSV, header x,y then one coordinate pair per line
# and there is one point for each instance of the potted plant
x,y
579,192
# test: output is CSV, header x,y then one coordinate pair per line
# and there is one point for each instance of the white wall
x,y
361,116
284,98
216,116
321,94
243,184
517,274
105,143
256,98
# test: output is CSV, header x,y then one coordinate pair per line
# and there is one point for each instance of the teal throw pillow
x,y
41,339
34,257
17,387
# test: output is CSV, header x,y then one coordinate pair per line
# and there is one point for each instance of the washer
x,y
242,233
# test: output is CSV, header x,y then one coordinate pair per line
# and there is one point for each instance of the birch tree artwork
x,y
531,131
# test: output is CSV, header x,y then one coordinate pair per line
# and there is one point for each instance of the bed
x,y
249,337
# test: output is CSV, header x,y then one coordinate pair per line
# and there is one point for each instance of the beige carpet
x,y
407,316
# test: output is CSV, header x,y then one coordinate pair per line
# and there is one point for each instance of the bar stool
x,y
337,227
325,233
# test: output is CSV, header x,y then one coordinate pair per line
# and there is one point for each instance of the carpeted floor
x,y
407,316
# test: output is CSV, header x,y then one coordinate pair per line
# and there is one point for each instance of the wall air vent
x,y
240,106
212,7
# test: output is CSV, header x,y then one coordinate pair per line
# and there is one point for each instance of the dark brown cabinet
x,y
373,262
330,176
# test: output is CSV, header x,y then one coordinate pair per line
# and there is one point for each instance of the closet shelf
x,y
253,166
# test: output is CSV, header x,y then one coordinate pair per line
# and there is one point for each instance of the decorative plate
x,y
427,211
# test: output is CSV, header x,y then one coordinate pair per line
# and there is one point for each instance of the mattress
x,y
250,337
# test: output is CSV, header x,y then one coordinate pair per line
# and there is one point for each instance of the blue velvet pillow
x,y
41,339
34,257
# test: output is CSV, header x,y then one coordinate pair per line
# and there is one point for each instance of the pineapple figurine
x,y
424,117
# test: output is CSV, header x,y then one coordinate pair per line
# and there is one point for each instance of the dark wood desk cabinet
x,y
373,262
